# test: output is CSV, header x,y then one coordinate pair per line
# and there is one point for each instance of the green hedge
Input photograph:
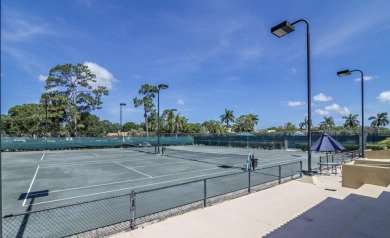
x,y
376,147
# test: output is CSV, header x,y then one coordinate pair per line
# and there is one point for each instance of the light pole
x,y
281,30
161,86
121,129
46,118
348,72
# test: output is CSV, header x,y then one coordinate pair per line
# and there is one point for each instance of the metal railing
x,y
106,216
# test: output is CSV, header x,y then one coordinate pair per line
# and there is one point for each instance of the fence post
x,y
300,165
205,193
132,209
249,180
280,174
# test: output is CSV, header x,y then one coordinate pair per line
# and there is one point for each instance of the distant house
x,y
118,134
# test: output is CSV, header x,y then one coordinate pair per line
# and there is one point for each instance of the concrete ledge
x,y
354,176
373,162
378,154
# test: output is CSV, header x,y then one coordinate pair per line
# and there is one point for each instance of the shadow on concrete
x,y
355,216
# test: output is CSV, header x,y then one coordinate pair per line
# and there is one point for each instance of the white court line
x,y
25,199
43,155
132,180
133,169
116,190
93,162
94,154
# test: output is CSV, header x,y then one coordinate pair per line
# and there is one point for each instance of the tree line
x,y
65,109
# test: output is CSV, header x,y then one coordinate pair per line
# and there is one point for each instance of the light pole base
x,y
310,178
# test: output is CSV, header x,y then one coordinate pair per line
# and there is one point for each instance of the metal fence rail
x,y
110,215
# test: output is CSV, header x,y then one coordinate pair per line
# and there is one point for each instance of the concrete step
x,y
370,190
330,218
375,222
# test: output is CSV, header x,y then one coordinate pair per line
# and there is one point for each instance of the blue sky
x,y
212,54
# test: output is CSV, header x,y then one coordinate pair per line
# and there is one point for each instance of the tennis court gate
x,y
111,215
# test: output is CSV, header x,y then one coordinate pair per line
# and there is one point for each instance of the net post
x,y
249,180
280,174
205,193
132,210
300,165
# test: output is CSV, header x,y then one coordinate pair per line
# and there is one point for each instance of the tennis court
x,y
88,189
54,178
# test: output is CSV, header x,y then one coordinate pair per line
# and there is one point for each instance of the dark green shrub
x,y
376,147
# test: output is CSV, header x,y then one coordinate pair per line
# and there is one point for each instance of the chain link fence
x,y
106,216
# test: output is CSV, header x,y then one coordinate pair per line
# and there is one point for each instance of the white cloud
x,y
294,70
333,107
21,27
180,101
295,103
366,78
343,111
321,112
384,96
103,76
322,98
42,78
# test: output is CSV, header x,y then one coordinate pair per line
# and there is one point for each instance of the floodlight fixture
x,y
343,73
163,86
282,29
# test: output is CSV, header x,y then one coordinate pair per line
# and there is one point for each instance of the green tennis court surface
x,y
53,178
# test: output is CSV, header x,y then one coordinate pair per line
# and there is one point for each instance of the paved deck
x,y
292,209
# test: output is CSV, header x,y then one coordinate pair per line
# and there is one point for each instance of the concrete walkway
x,y
286,210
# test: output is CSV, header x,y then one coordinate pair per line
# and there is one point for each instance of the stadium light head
x,y
344,73
282,29
163,86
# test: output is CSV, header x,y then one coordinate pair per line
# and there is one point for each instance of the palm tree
x,y
351,121
254,119
327,124
213,127
246,123
227,117
167,121
290,128
379,120
304,124
180,122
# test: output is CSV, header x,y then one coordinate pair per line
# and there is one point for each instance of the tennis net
x,y
146,148
220,159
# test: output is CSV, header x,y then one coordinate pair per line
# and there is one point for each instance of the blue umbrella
x,y
327,144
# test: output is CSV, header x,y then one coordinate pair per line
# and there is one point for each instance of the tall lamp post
x,y
121,129
159,87
281,30
46,118
348,72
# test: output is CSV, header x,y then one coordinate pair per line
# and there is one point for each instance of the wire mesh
x,y
103,217
152,202
68,220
